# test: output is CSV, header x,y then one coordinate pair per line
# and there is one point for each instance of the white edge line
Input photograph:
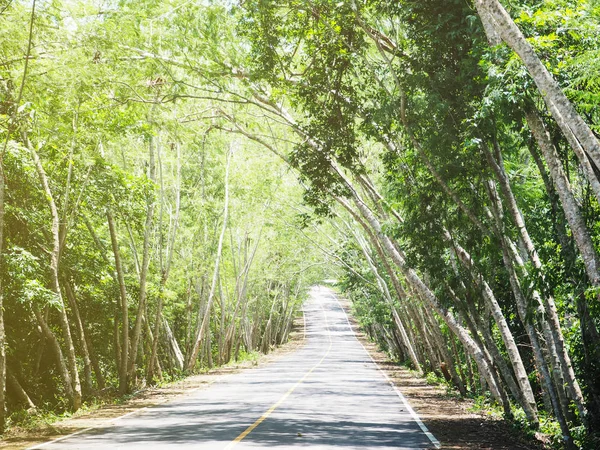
x,y
102,425
412,412
62,438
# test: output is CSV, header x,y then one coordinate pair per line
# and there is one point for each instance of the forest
x,y
174,176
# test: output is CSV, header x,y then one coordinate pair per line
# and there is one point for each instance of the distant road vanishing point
x,y
327,395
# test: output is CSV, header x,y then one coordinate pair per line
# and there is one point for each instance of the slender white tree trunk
x,y
2,332
124,348
558,403
137,329
54,262
553,321
428,296
203,325
390,301
529,404
570,206
559,105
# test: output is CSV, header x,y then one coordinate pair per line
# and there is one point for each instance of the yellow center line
x,y
262,418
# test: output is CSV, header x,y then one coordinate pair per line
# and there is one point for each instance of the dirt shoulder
x,y
105,415
451,420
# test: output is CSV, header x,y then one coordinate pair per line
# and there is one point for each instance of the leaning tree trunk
x,y
417,335
203,325
547,301
413,279
137,329
564,112
54,261
426,294
2,332
17,390
572,210
529,404
395,282
558,403
498,366
124,351
435,333
573,216
87,362
386,294
174,345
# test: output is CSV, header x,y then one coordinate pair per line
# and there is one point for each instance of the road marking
x,y
262,418
87,429
111,421
61,438
412,412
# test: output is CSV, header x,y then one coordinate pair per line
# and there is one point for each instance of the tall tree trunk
x,y
529,404
572,209
16,106
560,106
87,363
137,329
521,302
582,237
547,301
426,294
124,350
60,359
170,248
2,332
54,262
203,325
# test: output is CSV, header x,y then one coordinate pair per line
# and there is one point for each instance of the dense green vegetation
x,y
448,159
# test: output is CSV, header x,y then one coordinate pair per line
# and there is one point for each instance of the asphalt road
x,y
327,395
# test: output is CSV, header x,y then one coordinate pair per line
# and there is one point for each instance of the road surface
x,y
327,395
